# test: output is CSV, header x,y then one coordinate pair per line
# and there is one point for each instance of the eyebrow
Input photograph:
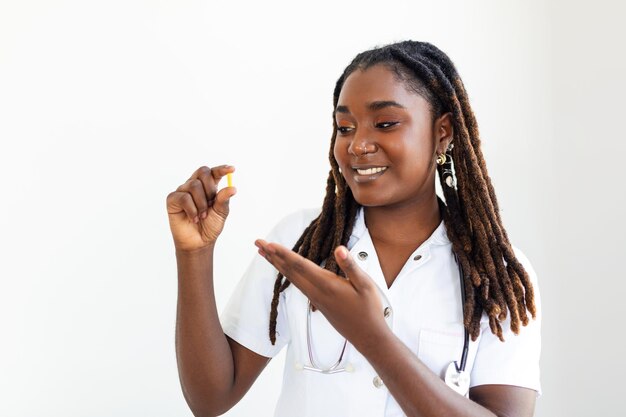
x,y
373,106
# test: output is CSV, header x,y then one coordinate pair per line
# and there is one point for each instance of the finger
x,y
220,172
311,279
208,182
354,273
196,189
222,201
180,201
210,178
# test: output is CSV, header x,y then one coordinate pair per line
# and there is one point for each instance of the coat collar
x,y
438,237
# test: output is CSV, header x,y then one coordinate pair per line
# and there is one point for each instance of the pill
x,y
229,178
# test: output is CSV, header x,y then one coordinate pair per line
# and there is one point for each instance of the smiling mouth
x,y
370,171
368,174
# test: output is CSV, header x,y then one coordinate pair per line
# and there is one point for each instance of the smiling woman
x,y
392,285
390,139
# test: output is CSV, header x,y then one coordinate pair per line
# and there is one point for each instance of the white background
x,y
106,107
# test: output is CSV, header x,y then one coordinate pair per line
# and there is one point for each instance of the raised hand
x,y
197,211
352,304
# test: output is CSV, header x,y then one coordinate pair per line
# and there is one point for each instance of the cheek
x,y
342,157
416,146
339,152
413,160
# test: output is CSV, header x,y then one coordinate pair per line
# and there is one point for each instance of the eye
x,y
344,130
386,125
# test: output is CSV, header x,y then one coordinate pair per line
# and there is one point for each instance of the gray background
x,y
106,107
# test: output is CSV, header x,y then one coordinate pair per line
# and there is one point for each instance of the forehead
x,y
378,83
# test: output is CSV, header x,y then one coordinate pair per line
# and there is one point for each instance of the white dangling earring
x,y
448,175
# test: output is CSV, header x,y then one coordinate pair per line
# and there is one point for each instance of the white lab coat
x,y
425,312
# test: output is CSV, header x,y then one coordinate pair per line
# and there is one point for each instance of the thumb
x,y
222,200
347,264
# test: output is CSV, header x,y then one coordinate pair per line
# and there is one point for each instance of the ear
x,y
444,132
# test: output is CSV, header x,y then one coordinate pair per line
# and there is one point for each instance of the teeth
x,y
370,171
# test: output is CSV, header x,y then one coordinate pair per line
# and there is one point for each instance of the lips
x,y
363,174
370,171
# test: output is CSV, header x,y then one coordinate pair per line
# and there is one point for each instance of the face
x,y
387,142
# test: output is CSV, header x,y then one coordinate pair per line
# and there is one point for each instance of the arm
x,y
420,392
354,309
215,371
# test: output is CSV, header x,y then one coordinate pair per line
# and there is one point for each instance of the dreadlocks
x,y
496,282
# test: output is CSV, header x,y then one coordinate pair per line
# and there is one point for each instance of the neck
x,y
407,225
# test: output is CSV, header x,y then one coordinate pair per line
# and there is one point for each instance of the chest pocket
x,y
437,349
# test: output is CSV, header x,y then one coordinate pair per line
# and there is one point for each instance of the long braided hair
x,y
471,214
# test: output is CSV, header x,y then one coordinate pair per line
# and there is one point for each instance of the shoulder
x,y
532,276
290,227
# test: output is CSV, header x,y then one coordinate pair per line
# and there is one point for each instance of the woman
x,y
400,301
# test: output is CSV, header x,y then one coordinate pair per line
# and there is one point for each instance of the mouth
x,y
368,174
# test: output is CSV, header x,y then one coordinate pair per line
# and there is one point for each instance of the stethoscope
x,y
455,377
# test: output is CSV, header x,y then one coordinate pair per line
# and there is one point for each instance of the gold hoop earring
x,y
441,159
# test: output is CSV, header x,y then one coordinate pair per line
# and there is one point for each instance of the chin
x,y
371,199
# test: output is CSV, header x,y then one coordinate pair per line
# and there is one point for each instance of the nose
x,y
361,146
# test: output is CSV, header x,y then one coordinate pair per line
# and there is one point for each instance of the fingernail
x,y
195,219
343,253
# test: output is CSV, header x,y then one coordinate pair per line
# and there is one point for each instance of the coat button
x,y
387,312
417,257
362,256
378,383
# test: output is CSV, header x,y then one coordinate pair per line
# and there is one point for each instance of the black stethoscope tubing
x,y
461,367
